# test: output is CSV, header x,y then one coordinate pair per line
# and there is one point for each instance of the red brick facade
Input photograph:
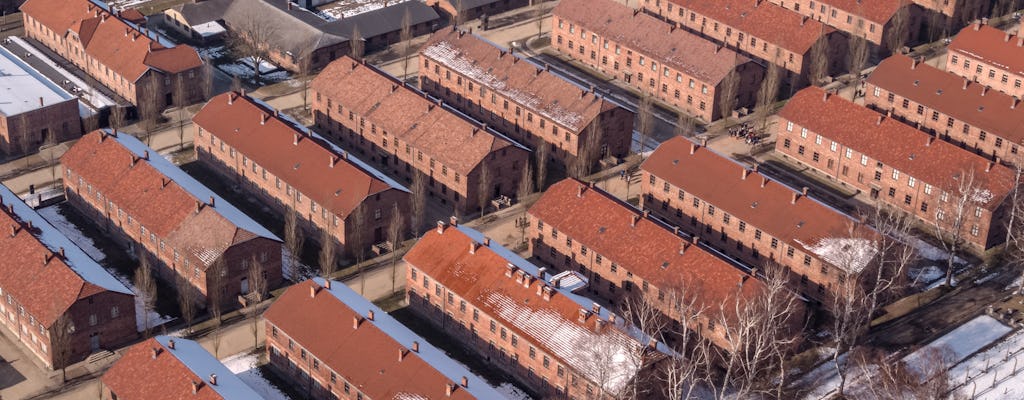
x,y
115,53
957,110
876,21
241,140
643,52
987,55
492,7
521,100
895,164
59,122
404,132
505,314
131,198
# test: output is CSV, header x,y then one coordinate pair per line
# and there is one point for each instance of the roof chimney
x,y
263,118
693,148
804,190
487,241
453,221
14,230
547,292
440,227
333,160
312,290
984,90
289,6
880,118
977,25
764,181
913,63
355,321
596,308
930,139
795,196
988,167
213,377
1013,102
448,389
170,344
195,387
416,346
465,381
580,189
40,101
199,206
1020,41
1006,38
211,203
682,247
472,247
231,98
327,284
510,269
583,314
803,20
61,251
633,220
369,315
966,82
401,354
155,352
745,173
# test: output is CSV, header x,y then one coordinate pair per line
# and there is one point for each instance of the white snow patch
x,y
265,66
961,342
928,251
512,392
350,8
293,272
53,215
91,95
981,196
994,373
850,254
208,29
246,367
212,52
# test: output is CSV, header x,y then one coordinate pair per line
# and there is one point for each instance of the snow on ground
x,y
511,392
54,217
994,373
265,66
211,53
246,367
350,8
289,270
927,251
246,72
927,275
961,342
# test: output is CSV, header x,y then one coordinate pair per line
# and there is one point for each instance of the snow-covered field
x,y
350,8
960,342
245,72
245,367
994,373
53,215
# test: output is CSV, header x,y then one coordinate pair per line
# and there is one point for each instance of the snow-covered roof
x,y
203,364
196,189
81,263
850,254
22,88
451,369
352,158
208,29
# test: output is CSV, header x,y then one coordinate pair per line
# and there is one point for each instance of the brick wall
x,y
997,77
60,120
303,369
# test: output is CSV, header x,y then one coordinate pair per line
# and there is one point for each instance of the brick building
x,y
757,220
274,157
406,132
47,282
896,165
880,22
472,9
33,109
988,56
147,203
624,253
332,343
672,65
170,368
521,99
957,110
758,29
519,318
132,61
957,11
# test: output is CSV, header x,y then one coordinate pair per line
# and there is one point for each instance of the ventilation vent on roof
x,y
664,265
601,229
938,91
911,156
981,108
337,193
917,82
753,205
297,165
800,224
675,162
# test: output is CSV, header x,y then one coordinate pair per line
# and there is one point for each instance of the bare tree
x,y
293,241
215,288
898,32
356,43
644,121
418,203
680,374
936,21
117,118
727,91
540,23
60,343
817,67
328,259
460,13
540,159
145,287
588,153
522,192
207,79
768,93
685,125
644,314
1016,207
251,37
215,338
181,99
849,321
396,234
950,222
186,298
406,38
483,191
358,240
305,72
150,105
858,55
257,293
25,143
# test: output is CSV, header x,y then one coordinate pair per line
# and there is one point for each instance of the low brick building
x,y
275,159
472,9
672,65
152,207
170,368
757,220
896,165
132,61
406,132
326,339
519,318
47,283
882,23
627,254
33,109
758,29
957,110
988,56
523,100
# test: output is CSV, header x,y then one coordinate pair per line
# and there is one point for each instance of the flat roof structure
x,y
23,89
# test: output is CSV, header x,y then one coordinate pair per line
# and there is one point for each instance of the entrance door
x,y
245,285
94,342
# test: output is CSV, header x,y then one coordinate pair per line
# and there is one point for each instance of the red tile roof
x,y
991,46
535,88
111,41
305,164
877,11
649,250
757,200
408,115
989,110
365,356
893,143
154,200
763,20
684,51
480,278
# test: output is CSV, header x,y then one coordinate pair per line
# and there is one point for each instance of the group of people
x,y
744,131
